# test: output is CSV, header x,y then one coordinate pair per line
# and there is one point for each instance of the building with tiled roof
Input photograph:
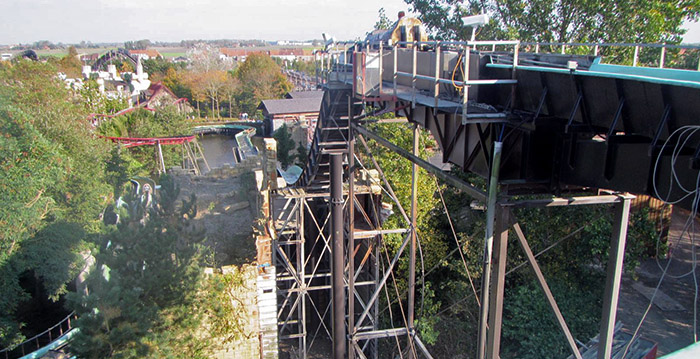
x,y
300,114
158,95
239,54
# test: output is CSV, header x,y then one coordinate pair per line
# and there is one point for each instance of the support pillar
x,y
338,282
488,249
500,256
614,275
351,231
412,249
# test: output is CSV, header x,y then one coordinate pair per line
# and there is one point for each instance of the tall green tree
x,y
143,292
52,177
562,21
285,146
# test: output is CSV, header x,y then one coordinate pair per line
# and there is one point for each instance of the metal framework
x,y
435,85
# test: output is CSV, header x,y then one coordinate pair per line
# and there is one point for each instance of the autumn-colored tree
x,y
260,78
229,91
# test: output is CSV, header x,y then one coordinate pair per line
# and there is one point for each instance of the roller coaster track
x,y
51,339
112,54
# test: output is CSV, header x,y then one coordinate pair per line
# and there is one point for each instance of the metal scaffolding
x,y
330,281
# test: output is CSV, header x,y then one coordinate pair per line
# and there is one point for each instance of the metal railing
x,y
596,49
334,60
331,60
331,57
40,340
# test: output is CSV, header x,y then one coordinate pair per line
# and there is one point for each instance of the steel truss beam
x,y
500,215
303,271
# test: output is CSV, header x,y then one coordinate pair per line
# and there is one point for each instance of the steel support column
x,y
351,231
495,308
488,249
338,265
612,282
412,248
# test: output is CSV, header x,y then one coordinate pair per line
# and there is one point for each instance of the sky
x,y
72,21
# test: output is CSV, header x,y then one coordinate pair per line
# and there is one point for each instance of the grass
x,y
168,55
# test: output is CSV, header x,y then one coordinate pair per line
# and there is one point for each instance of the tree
x,y
383,22
260,78
285,146
213,83
144,289
52,179
562,21
207,75
431,236
229,91
164,122
71,64
302,154
137,45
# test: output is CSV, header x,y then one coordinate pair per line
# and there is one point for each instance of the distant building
x,y
241,53
129,85
146,54
287,54
158,95
238,54
299,112
89,58
181,59
294,43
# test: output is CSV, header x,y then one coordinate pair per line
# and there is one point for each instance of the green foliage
x,y
224,310
285,146
96,102
562,21
302,154
52,185
53,254
137,45
165,122
432,239
143,291
528,312
307,67
383,22
260,78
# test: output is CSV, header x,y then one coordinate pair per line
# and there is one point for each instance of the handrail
x,y
613,44
47,332
636,46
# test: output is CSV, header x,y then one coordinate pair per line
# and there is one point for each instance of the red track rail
x,y
150,141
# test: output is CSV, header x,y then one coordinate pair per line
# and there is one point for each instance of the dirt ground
x,y
669,322
226,212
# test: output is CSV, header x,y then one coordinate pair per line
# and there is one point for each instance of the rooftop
x,y
293,105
